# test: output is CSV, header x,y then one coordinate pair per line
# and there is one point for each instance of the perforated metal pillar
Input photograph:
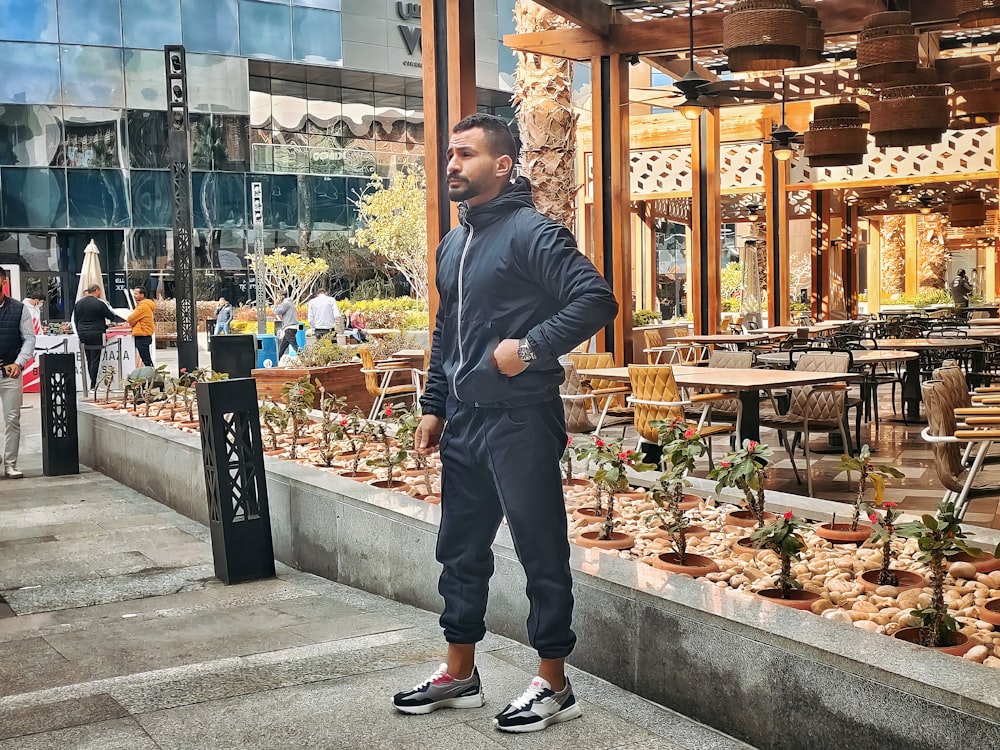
x,y
60,436
238,513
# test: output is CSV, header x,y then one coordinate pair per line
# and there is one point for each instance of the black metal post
x,y
60,435
606,208
239,518
179,149
702,175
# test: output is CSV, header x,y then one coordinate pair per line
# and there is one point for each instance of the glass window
x,y
327,4
97,198
260,109
233,154
208,27
148,249
359,112
151,23
316,36
29,73
222,195
218,250
281,203
39,251
93,138
327,205
90,22
147,139
217,84
265,30
145,80
93,76
151,199
33,198
30,134
28,20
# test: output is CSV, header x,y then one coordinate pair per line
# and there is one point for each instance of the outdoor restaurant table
x,y
860,357
984,321
824,326
739,340
747,382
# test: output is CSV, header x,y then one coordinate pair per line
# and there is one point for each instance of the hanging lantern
x,y
967,210
764,34
836,136
888,47
912,111
977,13
974,101
812,53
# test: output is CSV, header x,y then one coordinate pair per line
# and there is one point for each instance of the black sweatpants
x,y
92,344
287,340
505,463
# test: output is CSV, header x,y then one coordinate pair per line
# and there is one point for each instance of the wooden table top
x,y
985,332
731,378
409,353
933,343
720,338
984,321
860,356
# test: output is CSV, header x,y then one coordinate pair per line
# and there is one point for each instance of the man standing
x,y
286,319
961,288
141,321
515,294
323,314
91,317
17,345
34,304
223,316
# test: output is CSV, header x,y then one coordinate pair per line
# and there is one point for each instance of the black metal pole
x,y
179,148
606,208
703,226
60,434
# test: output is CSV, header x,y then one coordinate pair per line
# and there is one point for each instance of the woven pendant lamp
x,y
974,101
967,210
977,13
912,111
836,136
812,53
888,47
764,34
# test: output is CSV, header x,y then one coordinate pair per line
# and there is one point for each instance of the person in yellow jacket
x,y
141,321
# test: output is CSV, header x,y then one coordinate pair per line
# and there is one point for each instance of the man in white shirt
x,y
34,304
17,345
323,314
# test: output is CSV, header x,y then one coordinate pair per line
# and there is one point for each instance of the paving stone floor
x,y
114,633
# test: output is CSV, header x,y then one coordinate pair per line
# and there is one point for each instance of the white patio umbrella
x,y
91,272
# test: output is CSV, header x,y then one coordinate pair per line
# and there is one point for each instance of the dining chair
x,y
378,381
607,396
730,409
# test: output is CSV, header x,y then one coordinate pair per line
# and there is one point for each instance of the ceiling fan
x,y
699,93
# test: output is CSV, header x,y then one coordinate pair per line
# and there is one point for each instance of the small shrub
x,y
644,318
325,352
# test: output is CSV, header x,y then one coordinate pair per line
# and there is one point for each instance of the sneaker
x,y
441,690
537,708
11,473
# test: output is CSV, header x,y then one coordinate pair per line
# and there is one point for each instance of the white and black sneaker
x,y
538,707
441,690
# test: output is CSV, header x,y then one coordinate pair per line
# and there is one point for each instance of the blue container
x,y
267,350
300,337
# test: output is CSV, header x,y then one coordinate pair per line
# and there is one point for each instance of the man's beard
x,y
463,191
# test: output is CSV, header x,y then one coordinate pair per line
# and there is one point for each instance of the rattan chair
x,y
378,379
607,395
729,409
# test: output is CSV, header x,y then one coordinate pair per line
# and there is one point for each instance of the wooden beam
x,y
776,201
591,15
705,253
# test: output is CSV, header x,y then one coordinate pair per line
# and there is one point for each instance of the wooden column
x,y
912,256
820,245
612,207
448,42
776,198
706,223
874,265
851,261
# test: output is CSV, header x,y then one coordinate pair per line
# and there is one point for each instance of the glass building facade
x,y
83,146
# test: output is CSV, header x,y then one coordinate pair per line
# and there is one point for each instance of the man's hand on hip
x,y
506,360
428,433
13,371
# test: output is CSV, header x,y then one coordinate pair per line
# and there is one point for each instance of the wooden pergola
x,y
610,35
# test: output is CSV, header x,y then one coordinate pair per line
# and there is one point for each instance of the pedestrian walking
x,y
323,314
17,346
141,321
286,320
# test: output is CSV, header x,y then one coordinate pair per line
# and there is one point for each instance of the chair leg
x,y
962,501
809,476
790,446
604,414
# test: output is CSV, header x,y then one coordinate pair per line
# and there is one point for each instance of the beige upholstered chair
x,y
608,395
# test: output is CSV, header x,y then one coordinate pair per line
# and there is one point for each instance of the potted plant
x,y
406,430
746,470
567,463
358,433
332,425
682,446
299,396
883,533
107,379
588,452
868,471
274,418
938,538
612,464
392,453
783,536
669,489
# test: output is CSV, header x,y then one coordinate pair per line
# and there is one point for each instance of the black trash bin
x,y
234,355
210,327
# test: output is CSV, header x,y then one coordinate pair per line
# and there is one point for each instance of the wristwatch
x,y
524,351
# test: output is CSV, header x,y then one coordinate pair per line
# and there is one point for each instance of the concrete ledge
x,y
772,676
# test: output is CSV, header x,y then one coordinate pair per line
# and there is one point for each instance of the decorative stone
x,y
837,615
962,570
977,654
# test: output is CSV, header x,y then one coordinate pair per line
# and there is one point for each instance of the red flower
x,y
688,434
569,441
623,456
889,504
724,464
388,411
343,422
788,515
599,443
873,518
753,445
183,369
890,528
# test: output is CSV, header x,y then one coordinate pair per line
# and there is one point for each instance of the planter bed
x,y
768,674
344,380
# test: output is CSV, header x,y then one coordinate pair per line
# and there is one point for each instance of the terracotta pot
x,y
907,580
797,598
990,612
432,499
690,501
745,545
960,642
746,519
696,531
694,565
636,495
590,514
359,476
618,540
414,473
188,425
577,483
307,440
387,484
274,452
985,563
346,456
841,533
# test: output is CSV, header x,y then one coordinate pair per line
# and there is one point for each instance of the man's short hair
x,y
93,288
141,290
37,296
3,273
321,290
498,136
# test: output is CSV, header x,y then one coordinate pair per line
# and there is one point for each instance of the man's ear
x,y
505,166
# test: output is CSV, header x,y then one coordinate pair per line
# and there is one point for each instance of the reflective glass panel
x,y
281,203
145,85
151,23
151,201
93,138
359,112
33,198
29,73
328,199
97,198
265,30
39,251
28,20
233,154
316,36
93,76
209,27
29,134
148,249
147,139
90,22
260,109
222,196
217,84
225,249
327,4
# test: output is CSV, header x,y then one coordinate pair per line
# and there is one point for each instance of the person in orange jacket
x,y
141,321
